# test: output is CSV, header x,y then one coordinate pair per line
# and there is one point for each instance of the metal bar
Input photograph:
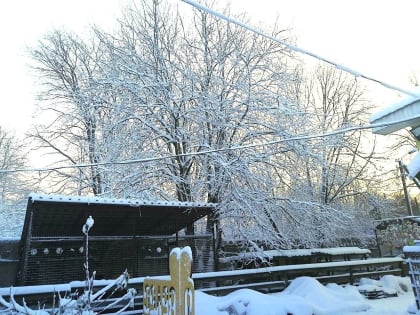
x,y
406,195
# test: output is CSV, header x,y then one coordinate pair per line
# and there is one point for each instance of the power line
x,y
296,48
205,152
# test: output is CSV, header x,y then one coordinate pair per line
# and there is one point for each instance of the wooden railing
x,y
269,279
276,278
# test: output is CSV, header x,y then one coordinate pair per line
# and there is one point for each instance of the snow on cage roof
x,y
113,201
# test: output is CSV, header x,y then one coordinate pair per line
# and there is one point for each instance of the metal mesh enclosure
x,y
49,260
127,235
203,253
203,256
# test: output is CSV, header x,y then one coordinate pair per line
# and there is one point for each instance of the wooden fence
x,y
275,279
268,280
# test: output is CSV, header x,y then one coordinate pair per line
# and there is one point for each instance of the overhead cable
x,y
204,152
296,48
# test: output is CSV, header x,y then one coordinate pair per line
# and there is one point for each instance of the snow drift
x,y
304,296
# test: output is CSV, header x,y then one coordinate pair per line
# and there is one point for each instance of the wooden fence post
x,y
175,294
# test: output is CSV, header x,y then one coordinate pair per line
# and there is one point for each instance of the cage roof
x,y
59,215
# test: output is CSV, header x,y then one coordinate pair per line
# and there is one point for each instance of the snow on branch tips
x,y
88,225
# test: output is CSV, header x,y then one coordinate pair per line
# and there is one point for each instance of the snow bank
x,y
304,296
389,284
250,302
331,299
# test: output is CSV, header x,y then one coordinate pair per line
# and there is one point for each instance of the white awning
x,y
403,114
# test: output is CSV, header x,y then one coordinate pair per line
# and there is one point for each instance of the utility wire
x,y
204,152
296,48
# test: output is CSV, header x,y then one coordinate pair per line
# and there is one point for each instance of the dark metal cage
x,y
131,235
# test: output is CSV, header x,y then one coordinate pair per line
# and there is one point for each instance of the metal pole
x,y
406,196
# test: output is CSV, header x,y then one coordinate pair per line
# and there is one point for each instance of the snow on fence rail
x,y
276,278
268,279
300,267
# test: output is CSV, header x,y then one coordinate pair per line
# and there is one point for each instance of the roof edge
x,y
115,201
402,103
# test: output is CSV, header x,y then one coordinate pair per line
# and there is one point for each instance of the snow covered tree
x,y
332,100
13,185
202,110
337,170
208,88
67,67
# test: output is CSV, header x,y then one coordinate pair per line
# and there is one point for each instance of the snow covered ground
x,y
306,296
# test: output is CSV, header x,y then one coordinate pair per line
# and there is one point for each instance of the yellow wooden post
x,y
173,295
